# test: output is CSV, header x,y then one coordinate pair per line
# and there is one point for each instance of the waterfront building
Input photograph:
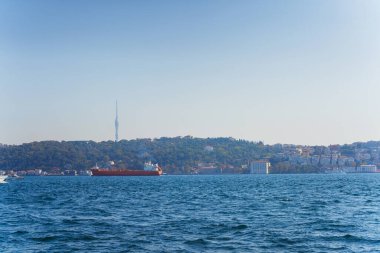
x,y
349,169
207,169
259,167
70,173
361,169
366,169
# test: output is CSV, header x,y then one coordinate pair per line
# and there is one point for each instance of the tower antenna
x,y
116,125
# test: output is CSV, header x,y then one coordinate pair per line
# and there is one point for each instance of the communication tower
x,y
116,125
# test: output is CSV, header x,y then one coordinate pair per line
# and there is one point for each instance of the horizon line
x,y
196,137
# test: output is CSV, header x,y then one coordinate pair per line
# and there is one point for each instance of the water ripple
x,y
246,213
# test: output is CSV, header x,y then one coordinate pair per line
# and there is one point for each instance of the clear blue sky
x,y
303,72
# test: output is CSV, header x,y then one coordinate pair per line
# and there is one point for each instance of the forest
x,y
176,155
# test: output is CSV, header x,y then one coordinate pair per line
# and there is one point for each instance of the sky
x,y
301,72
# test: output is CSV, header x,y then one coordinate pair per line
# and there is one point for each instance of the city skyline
x,y
277,72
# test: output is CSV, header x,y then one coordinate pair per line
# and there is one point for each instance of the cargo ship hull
x,y
124,172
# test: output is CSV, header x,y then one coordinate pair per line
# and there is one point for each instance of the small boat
x,y
3,178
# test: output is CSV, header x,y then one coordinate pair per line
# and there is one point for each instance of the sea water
x,y
236,213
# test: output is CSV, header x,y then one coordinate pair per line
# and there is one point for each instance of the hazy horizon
x,y
291,72
202,137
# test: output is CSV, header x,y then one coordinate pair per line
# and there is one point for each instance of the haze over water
x,y
239,213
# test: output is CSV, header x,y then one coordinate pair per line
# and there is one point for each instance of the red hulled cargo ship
x,y
149,170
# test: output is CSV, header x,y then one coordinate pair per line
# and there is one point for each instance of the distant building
x,y
84,172
209,148
325,160
366,169
207,169
259,167
361,169
315,160
363,156
70,173
349,169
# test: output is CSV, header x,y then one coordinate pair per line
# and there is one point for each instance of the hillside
x,y
180,155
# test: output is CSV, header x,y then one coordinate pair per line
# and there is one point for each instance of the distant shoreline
x,y
188,155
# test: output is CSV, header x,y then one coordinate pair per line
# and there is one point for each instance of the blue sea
x,y
236,213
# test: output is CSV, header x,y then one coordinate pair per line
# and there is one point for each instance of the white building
x,y
209,148
259,167
366,169
361,169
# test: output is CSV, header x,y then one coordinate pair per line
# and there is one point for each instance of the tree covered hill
x,y
175,155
